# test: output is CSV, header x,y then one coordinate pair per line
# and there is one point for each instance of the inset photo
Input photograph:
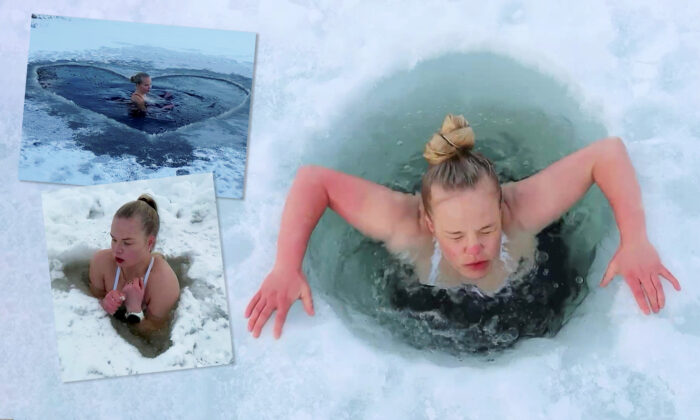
x,y
137,277
110,101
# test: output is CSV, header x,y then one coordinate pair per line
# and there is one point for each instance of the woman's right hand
x,y
133,293
373,209
112,301
278,292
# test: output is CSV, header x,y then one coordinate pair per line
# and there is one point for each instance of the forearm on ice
x,y
615,176
306,202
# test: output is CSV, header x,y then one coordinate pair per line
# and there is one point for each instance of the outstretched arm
x,y
376,211
540,199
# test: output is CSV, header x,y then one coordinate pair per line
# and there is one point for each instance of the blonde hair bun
x,y
145,207
455,136
146,198
138,77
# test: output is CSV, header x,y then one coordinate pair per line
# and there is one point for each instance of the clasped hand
x,y
131,294
134,291
112,301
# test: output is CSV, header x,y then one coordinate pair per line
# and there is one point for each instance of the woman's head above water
x,y
142,81
134,230
462,199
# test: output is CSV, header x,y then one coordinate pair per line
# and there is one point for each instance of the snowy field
x,y
635,66
77,222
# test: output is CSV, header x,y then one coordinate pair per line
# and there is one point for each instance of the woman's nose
x,y
473,249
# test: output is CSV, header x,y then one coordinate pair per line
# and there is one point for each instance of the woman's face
x,y
467,225
130,245
145,85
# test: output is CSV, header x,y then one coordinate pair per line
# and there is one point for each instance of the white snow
x,y
88,345
634,64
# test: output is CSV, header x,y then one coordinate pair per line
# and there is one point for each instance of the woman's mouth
x,y
119,260
478,266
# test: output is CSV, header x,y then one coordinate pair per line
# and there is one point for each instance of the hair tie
x,y
447,140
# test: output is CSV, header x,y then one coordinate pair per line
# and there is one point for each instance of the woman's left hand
x,y
134,291
641,267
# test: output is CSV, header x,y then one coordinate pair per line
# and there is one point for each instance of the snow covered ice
x,y
77,224
635,66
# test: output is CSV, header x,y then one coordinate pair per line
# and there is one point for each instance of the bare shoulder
x,y
100,264
377,211
137,98
164,281
412,230
163,274
539,199
508,219
101,261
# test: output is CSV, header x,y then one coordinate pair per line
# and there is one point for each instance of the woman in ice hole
x,y
132,282
465,210
138,98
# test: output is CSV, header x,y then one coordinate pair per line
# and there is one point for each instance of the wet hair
x,y
453,165
145,207
138,77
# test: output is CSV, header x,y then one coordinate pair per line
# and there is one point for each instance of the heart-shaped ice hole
x,y
173,102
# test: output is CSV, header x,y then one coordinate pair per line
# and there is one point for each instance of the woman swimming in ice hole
x,y
463,207
133,283
138,98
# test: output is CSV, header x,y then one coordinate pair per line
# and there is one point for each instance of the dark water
x,y
523,120
196,122
534,306
177,100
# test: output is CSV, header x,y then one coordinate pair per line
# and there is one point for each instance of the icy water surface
x,y
173,102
